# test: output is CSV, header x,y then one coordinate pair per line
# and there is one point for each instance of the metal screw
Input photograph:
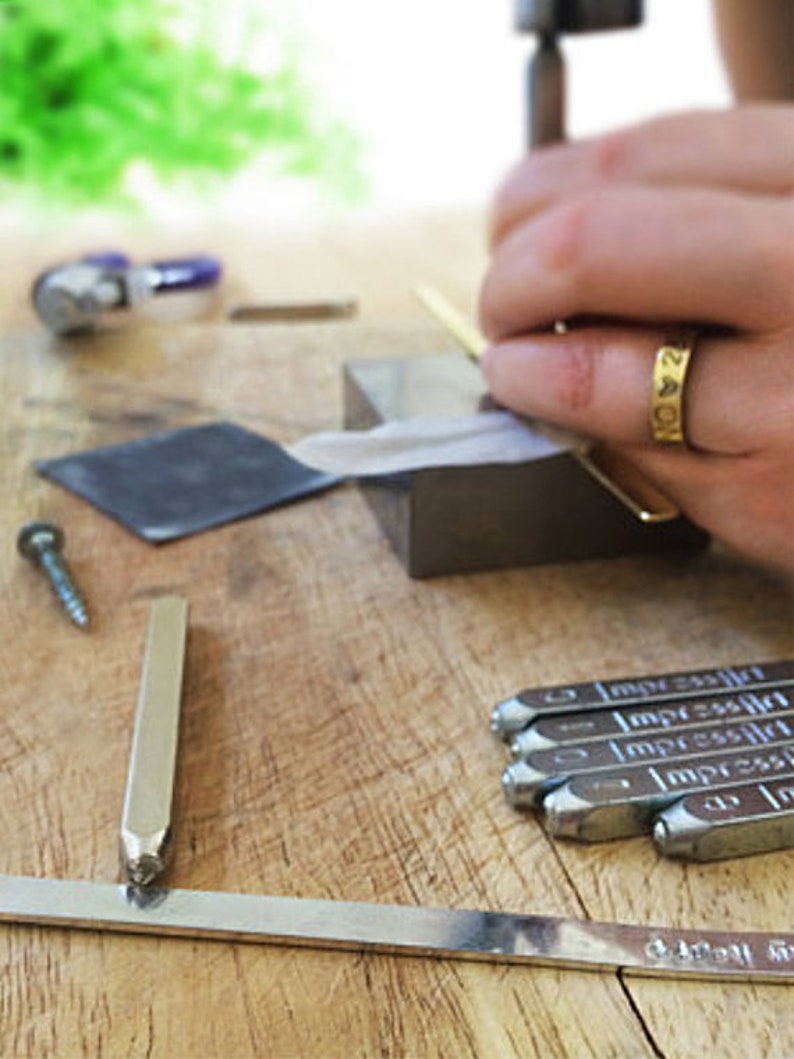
x,y
42,543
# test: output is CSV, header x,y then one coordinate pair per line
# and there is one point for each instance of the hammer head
x,y
551,17
70,298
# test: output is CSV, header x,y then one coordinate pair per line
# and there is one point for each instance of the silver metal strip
x,y
399,930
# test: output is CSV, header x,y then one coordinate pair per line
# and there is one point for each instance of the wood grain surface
x,y
335,736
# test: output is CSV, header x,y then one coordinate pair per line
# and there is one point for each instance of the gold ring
x,y
669,376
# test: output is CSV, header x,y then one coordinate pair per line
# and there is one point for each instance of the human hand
x,y
683,220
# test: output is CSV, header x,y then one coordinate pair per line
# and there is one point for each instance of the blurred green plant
x,y
88,87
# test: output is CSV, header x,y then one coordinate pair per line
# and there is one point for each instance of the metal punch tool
x,y
548,20
146,826
518,712
527,780
730,822
675,716
702,760
619,803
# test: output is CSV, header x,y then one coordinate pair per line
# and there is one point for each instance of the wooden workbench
x,y
335,734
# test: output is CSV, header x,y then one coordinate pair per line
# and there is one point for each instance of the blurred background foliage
x,y
90,89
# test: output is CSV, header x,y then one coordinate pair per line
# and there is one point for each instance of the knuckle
x,y
564,235
613,156
774,255
780,247
488,307
575,372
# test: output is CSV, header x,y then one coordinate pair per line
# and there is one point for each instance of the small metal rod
x,y
545,93
286,312
146,827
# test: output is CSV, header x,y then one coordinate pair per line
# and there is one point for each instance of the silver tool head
x,y
526,742
563,810
511,716
523,785
70,299
568,812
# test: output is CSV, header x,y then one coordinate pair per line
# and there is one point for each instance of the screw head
x,y
38,536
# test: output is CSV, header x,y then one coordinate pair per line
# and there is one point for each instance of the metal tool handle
x,y
188,273
181,273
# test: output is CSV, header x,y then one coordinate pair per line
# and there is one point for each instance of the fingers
x,y
594,381
684,220
746,502
641,254
738,396
749,149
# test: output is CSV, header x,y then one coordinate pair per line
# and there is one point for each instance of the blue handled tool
x,y
70,298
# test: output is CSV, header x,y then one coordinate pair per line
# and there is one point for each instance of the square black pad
x,y
179,482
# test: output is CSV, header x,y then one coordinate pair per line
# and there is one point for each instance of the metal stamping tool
x,y
42,544
275,312
70,298
599,724
494,937
729,822
526,780
518,712
617,803
146,828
